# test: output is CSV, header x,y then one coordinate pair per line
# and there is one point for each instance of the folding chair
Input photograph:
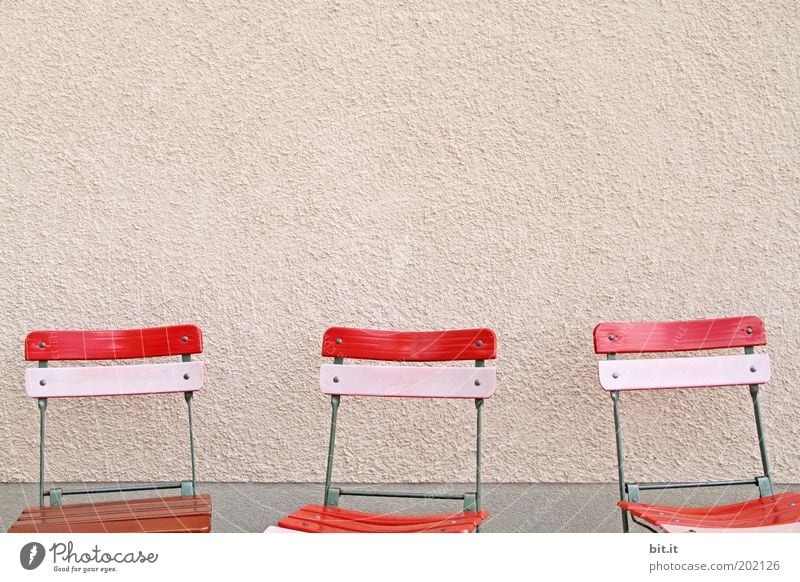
x,y
770,512
188,512
338,379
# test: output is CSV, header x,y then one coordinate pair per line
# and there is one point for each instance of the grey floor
x,y
517,507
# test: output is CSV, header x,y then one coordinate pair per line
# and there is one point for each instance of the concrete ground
x,y
517,507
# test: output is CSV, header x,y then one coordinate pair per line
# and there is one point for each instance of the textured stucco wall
x,y
269,169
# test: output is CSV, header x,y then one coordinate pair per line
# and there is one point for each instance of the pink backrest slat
x,y
407,381
114,380
662,373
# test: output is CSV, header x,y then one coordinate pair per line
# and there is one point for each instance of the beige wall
x,y
269,170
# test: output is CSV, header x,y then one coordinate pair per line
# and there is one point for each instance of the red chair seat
x,y
321,519
164,515
779,512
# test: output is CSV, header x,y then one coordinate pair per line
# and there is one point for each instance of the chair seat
x,y
774,513
321,519
162,514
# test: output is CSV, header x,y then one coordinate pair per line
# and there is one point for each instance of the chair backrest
x,y
747,369
45,382
339,379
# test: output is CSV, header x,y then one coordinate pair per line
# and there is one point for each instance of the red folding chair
x,y
770,512
188,512
339,379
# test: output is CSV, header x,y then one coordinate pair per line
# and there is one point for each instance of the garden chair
x,y
771,512
339,379
188,512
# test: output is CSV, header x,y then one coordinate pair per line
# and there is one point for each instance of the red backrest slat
x,y
673,336
410,346
122,344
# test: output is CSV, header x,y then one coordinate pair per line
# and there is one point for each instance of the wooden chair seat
x,y
779,512
188,514
320,519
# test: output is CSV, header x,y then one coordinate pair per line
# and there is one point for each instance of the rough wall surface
x,y
269,169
